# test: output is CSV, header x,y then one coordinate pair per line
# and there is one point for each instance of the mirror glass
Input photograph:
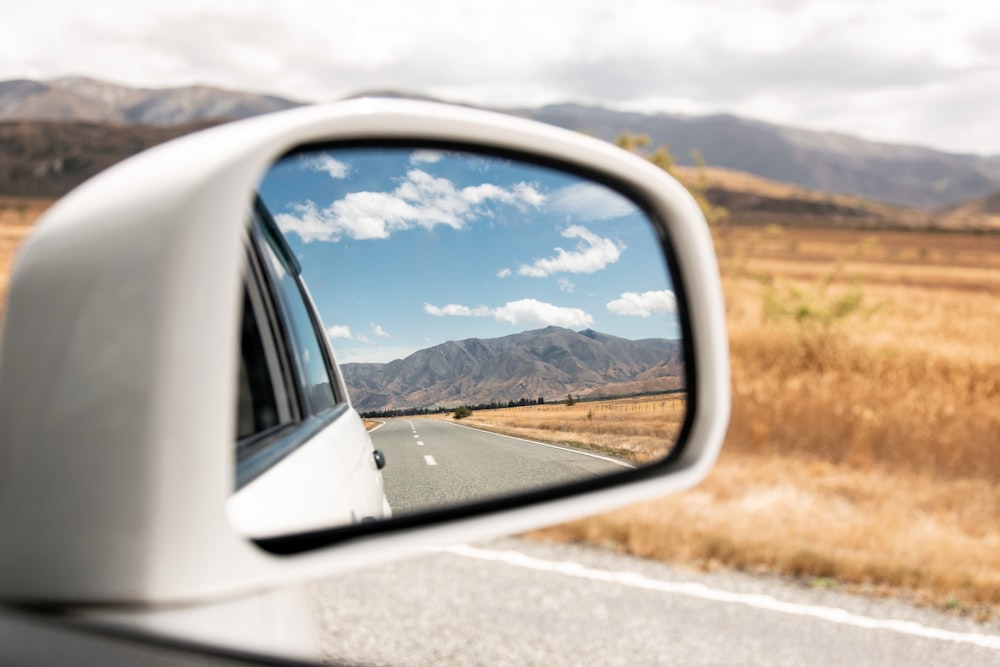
x,y
500,326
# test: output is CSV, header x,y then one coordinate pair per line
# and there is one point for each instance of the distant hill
x,y
981,213
752,200
827,161
548,363
49,158
84,99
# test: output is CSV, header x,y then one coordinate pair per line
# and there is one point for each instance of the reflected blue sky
x,y
405,249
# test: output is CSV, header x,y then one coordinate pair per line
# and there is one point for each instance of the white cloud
x,y
426,157
325,162
528,194
374,355
529,312
339,331
455,309
592,253
533,312
421,200
342,331
503,273
660,302
591,202
566,285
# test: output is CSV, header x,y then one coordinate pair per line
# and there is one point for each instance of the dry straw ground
x,y
864,445
639,429
17,215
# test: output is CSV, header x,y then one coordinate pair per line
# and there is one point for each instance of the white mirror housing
x,y
118,364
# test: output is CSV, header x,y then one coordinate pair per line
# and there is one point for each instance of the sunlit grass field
x,y
637,429
863,451
17,215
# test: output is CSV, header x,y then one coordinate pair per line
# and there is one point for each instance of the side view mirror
x,y
254,355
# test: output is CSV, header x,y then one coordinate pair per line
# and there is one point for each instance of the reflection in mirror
x,y
501,326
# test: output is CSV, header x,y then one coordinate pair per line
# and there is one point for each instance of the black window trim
x,y
265,230
275,345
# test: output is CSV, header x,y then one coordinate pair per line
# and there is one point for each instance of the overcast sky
x,y
914,71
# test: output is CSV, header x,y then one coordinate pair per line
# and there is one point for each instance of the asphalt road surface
x,y
434,463
519,602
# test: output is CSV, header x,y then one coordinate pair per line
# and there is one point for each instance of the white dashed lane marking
x,y
429,460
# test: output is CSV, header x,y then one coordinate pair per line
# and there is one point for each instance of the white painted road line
x,y
546,444
429,460
420,443
415,435
763,602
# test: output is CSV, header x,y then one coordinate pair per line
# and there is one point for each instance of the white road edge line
x,y
420,443
429,460
545,444
763,602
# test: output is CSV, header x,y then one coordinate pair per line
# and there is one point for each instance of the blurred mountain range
x,y
82,99
827,161
36,144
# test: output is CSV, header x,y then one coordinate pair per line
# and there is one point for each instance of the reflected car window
x,y
307,351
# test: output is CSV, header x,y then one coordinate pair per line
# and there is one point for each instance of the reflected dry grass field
x,y
863,453
639,429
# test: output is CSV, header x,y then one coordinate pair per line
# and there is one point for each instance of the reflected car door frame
x,y
316,469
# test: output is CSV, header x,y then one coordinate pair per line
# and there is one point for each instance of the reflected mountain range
x,y
545,363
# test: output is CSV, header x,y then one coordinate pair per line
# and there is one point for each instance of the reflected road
x,y
435,463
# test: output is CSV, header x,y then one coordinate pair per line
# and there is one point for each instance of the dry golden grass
x,y
865,452
868,529
17,215
638,429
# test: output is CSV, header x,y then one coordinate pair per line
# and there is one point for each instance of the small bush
x,y
463,411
